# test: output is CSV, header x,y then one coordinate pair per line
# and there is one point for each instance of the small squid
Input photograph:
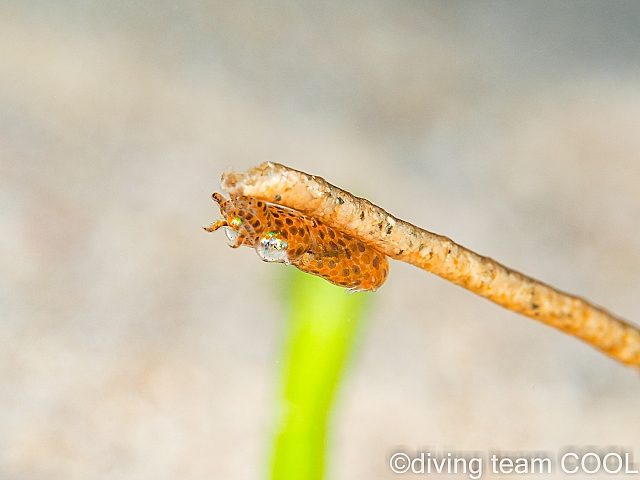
x,y
280,234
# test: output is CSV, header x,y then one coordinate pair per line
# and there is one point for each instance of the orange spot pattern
x,y
310,245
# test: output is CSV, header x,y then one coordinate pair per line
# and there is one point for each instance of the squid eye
x,y
232,235
232,229
272,248
235,223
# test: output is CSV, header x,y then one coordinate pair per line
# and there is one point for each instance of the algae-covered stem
x,y
400,240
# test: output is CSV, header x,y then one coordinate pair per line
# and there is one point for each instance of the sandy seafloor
x,y
133,345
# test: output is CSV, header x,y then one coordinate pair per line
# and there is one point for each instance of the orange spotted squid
x,y
280,234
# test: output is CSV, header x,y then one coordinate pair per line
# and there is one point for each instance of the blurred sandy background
x,y
134,345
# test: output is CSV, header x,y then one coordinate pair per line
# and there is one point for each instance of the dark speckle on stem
x,y
277,198
361,215
340,201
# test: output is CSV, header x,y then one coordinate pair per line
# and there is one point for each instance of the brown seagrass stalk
x,y
403,241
